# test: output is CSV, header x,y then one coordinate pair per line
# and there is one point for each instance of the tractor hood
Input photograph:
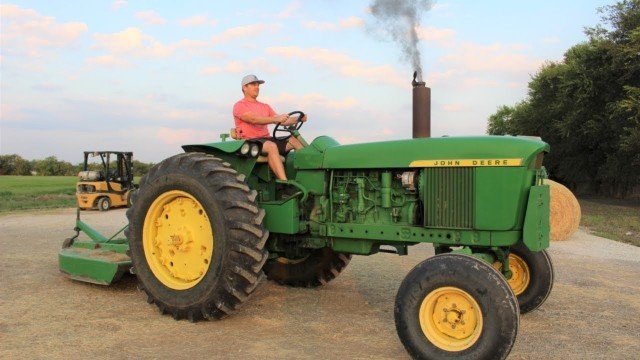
x,y
432,152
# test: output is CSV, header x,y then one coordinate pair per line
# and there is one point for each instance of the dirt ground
x,y
592,312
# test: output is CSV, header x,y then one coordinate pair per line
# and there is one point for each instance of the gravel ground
x,y
591,313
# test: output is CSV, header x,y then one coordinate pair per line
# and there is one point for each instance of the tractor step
x,y
95,263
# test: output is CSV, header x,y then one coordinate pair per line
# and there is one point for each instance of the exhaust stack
x,y
421,108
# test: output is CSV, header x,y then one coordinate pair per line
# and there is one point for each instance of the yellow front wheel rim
x,y
451,319
178,240
520,273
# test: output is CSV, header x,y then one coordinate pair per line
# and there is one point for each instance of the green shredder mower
x,y
207,225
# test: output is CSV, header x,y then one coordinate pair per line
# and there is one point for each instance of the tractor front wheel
x,y
532,276
316,269
456,306
196,237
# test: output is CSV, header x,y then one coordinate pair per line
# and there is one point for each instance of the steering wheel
x,y
288,129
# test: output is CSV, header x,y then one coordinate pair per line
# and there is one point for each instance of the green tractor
x,y
208,224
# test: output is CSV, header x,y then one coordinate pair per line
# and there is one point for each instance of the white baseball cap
x,y
251,79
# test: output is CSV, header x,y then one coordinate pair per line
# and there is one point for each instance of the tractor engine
x,y
381,197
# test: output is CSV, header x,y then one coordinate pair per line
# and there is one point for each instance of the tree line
x,y
16,165
587,107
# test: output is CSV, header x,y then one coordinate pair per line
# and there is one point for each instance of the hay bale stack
x,y
565,211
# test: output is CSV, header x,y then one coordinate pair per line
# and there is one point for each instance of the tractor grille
x,y
449,197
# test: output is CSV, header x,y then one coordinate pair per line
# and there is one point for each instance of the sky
x,y
150,76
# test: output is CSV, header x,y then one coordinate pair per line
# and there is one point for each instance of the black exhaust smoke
x,y
400,20
421,108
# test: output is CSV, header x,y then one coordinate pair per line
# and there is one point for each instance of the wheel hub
x,y
178,240
456,322
451,319
520,273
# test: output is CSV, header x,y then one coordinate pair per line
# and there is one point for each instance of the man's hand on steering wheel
x,y
289,126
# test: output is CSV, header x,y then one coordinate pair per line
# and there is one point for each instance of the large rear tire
x,y
456,306
316,269
196,237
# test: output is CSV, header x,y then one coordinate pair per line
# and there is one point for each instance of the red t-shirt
x,y
245,130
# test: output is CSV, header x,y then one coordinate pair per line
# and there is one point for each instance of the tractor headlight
x,y
245,148
255,150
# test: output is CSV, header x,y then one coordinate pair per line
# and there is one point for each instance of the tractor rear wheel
x,y
456,306
196,237
316,269
129,196
532,276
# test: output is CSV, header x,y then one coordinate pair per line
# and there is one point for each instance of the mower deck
x,y
100,260
95,263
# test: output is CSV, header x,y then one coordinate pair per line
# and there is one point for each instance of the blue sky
x,y
149,76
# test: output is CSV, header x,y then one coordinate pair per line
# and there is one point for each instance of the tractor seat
x,y
261,158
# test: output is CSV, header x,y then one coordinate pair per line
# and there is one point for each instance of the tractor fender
x,y
225,147
226,151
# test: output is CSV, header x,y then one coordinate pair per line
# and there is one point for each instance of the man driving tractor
x,y
251,119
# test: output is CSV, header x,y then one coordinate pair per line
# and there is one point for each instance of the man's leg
x,y
273,158
294,143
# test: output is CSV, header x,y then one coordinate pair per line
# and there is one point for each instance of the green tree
x,y
501,122
51,166
587,106
22,166
14,165
140,168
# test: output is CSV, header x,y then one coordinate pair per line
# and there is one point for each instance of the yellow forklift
x,y
106,180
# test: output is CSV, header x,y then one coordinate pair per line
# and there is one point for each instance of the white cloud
x,y
348,23
133,42
183,136
150,17
292,8
248,31
47,87
342,64
456,107
480,81
27,33
234,67
12,113
494,57
192,45
312,100
118,4
109,61
197,20
439,37
237,67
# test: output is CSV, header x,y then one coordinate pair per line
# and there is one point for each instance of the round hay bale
x,y
565,211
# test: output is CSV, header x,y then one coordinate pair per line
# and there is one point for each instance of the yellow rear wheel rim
x,y
451,319
287,261
520,273
178,240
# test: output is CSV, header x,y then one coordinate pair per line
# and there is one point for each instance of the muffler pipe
x,y
421,108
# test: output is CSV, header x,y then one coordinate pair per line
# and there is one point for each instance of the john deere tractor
x,y
206,225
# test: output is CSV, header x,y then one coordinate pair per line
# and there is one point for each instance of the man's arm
x,y
263,120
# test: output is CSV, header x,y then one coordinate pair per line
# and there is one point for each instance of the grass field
x,y
36,192
613,219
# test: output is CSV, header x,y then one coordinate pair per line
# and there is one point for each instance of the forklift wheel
x,y
104,204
